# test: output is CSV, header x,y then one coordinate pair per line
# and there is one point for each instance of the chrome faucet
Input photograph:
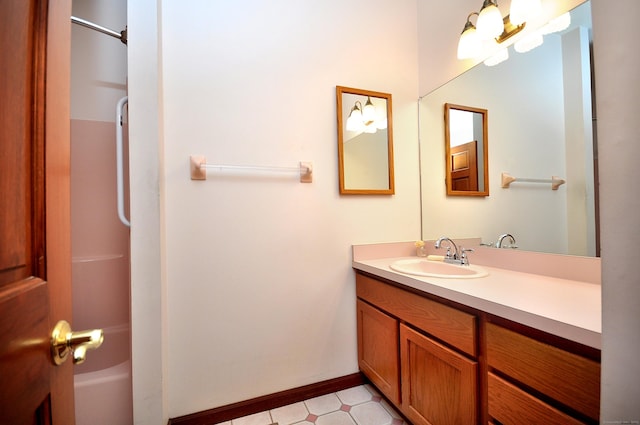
x,y
501,239
458,257
449,258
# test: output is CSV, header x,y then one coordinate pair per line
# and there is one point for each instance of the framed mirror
x,y
466,150
365,142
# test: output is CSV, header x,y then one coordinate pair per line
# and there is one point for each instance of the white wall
x,y
617,102
260,286
148,281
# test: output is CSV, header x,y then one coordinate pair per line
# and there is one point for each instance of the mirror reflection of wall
x,y
540,126
463,127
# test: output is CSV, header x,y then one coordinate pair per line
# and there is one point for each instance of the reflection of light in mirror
x,y
355,121
369,113
529,42
381,119
560,23
367,119
500,56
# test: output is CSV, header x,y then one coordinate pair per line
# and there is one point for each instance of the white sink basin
x,y
422,267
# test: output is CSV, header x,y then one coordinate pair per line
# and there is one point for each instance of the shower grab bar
x,y
199,166
555,181
120,159
122,35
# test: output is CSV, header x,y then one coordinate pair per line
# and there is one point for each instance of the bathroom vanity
x,y
507,348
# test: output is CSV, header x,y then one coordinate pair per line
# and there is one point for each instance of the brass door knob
x,y
65,342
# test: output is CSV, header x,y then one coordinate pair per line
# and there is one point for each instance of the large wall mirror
x,y
466,150
541,125
365,142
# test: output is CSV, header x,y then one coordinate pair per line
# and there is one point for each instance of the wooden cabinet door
x,y
378,349
438,384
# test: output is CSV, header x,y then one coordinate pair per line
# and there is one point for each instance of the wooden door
x,y
438,385
378,349
35,254
464,166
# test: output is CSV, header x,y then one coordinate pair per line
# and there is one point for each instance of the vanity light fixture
x,y
472,41
475,40
490,25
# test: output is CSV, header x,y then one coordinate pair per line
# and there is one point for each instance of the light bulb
x,y
469,43
369,112
354,122
490,23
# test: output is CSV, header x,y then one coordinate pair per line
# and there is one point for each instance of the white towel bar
x,y
199,166
555,181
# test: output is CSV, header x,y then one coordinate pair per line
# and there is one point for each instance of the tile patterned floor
x,y
361,405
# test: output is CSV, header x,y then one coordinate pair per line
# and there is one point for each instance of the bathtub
x,y
103,397
102,388
102,384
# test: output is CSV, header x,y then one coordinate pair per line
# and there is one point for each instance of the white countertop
x,y
567,308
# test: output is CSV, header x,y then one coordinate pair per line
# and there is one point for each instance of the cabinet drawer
x,y
511,406
446,323
566,377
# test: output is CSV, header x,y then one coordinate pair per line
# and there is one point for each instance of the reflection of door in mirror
x,y
365,148
466,150
464,166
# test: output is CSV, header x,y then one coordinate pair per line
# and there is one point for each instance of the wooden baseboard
x,y
270,401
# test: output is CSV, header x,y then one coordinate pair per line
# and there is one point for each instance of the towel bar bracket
x,y
197,171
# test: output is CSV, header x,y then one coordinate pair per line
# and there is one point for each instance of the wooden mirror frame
x,y
344,190
464,155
